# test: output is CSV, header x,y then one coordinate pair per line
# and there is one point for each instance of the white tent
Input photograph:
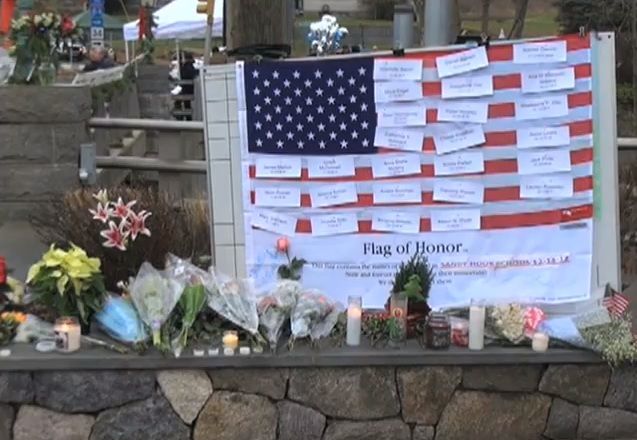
x,y
179,20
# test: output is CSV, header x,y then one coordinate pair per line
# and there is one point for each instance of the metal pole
x,y
146,124
403,27
209,24
440,22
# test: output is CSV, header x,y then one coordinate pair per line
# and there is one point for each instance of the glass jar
x,y
398,311
438,332
460,334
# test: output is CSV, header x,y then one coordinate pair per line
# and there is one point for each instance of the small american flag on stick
x,y
616,303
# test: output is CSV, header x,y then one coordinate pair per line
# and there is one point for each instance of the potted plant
x,y
412,283
68,282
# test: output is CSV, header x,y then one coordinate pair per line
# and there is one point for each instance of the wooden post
x,y
486,4
258,22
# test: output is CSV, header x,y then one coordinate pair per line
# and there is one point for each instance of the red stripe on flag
x,y
500,53
502,166
504,82
509,138
490,222
503,194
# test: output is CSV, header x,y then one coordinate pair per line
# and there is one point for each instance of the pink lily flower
x,y
102,213
115,236
137,224
123,210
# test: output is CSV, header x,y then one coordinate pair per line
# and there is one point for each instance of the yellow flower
x,y
34,271
61,284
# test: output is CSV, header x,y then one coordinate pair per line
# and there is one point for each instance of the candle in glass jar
x,y
68,334
230,339
540,342
354,316
476,327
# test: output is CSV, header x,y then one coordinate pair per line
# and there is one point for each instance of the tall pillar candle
x,y
354,316
476,327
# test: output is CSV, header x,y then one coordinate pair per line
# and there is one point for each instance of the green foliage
x,y
339,332
375,328
105,92
395,330
593,14
412,274
625,95
292,270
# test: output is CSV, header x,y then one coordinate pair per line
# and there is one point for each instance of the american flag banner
x,y
480,159
616,303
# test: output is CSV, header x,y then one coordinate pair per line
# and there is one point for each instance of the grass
x,y
534,26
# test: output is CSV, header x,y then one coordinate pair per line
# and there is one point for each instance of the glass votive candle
x,y
438,331
230,339
68,334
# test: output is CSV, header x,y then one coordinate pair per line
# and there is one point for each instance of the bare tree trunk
x,y
486,4
521,8
258,22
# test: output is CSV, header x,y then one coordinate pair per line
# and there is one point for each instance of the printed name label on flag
x,y
385,165
274,222
544,162
399,222
402,115
334,224
397,91
281,167
548,80
399,139
339,166
397,69
453,137
467,87
461,62
541,108
533,53
543,137
333,195
467,162
278,197
546,187
458,191
443,220
463,111
387,193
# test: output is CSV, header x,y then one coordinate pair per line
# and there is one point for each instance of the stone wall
x,y
41,129
381,403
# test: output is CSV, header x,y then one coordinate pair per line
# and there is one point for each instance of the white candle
x,y
68,334
540,342
228,351
476,328
354,316
213,352
198,353
230,339
244,350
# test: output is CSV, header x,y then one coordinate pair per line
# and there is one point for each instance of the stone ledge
x,y
25,358
24,104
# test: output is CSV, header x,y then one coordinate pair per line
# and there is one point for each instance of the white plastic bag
x,y
234,299
314,316
276,307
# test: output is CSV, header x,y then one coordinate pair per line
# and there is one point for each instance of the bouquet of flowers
x,y
234,299
276,307
155,296
69,282
36,37
314,316
125,225
9,322
507,322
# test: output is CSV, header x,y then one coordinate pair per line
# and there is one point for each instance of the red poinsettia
x,y
116,237
67,27
137,224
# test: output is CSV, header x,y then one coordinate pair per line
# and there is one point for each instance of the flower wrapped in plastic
x,y
326,36
314,316
276,307
155,296
507,322
234,299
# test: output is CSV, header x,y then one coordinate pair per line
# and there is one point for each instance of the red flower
x,y
137,224
115,236
123,210
283,245
102,213
67,26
